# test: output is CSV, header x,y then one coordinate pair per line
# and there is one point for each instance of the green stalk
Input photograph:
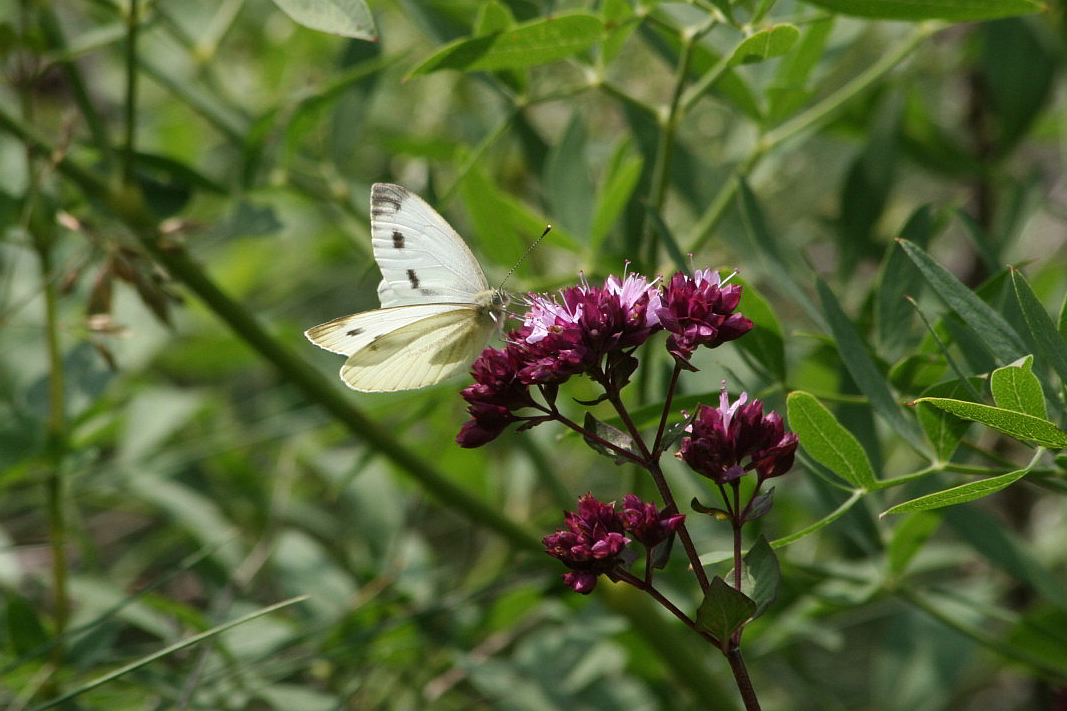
x,y
55,486
40,229
53,34
129,153
665,143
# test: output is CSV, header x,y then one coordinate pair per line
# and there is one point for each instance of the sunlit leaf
x,y
525,45
1016,424
348,18
765,44
827,441
959,494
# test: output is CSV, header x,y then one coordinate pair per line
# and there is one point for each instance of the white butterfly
x,y
437,313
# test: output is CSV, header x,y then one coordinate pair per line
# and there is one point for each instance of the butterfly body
x,y
437,313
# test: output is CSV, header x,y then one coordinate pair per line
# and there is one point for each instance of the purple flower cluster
x,y
699,311
595,540
593,330
724,443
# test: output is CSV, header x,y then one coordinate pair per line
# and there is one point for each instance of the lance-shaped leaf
x,y
1016,424
723,610
348,18
862,368
943,429
524,45
827,441
958,494
765,44
996,333
1050,343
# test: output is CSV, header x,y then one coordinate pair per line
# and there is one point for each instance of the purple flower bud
x,y
646,523
698,310
593,543
726,442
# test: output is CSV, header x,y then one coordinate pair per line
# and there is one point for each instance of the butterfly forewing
x,y
421,257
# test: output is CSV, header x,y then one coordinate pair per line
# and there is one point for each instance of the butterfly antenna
x,y
548,228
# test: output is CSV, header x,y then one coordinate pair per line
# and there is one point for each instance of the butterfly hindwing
x,y
421,257
348,334
420,353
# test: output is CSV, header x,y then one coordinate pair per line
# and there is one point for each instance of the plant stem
x,y
656,595
40,229
736,521
744,682
652,465
657,443
133,19
55,484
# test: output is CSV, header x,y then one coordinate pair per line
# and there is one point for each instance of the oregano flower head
x,y
595,540
593,331
723,443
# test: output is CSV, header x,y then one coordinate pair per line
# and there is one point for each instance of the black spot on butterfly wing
x,y
354,332
413,278
398,239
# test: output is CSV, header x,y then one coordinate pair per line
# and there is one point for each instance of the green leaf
x,y
504,227
25,632
764,342
827,441
958,494
610,435
999,545
761,574
1001,339
1016,388
771,252
1048,339
526,45
348,18
953,10
614,194
723,610
861,367
899,279
765,44
1016,424
789,91
943,429
908,537
1017,69
493,16
663,231
867,185
568,187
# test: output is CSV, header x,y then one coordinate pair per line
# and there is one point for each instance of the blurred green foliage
x,y
183,191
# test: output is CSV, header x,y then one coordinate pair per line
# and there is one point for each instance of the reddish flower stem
x,y
666,411
652,464
744,682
